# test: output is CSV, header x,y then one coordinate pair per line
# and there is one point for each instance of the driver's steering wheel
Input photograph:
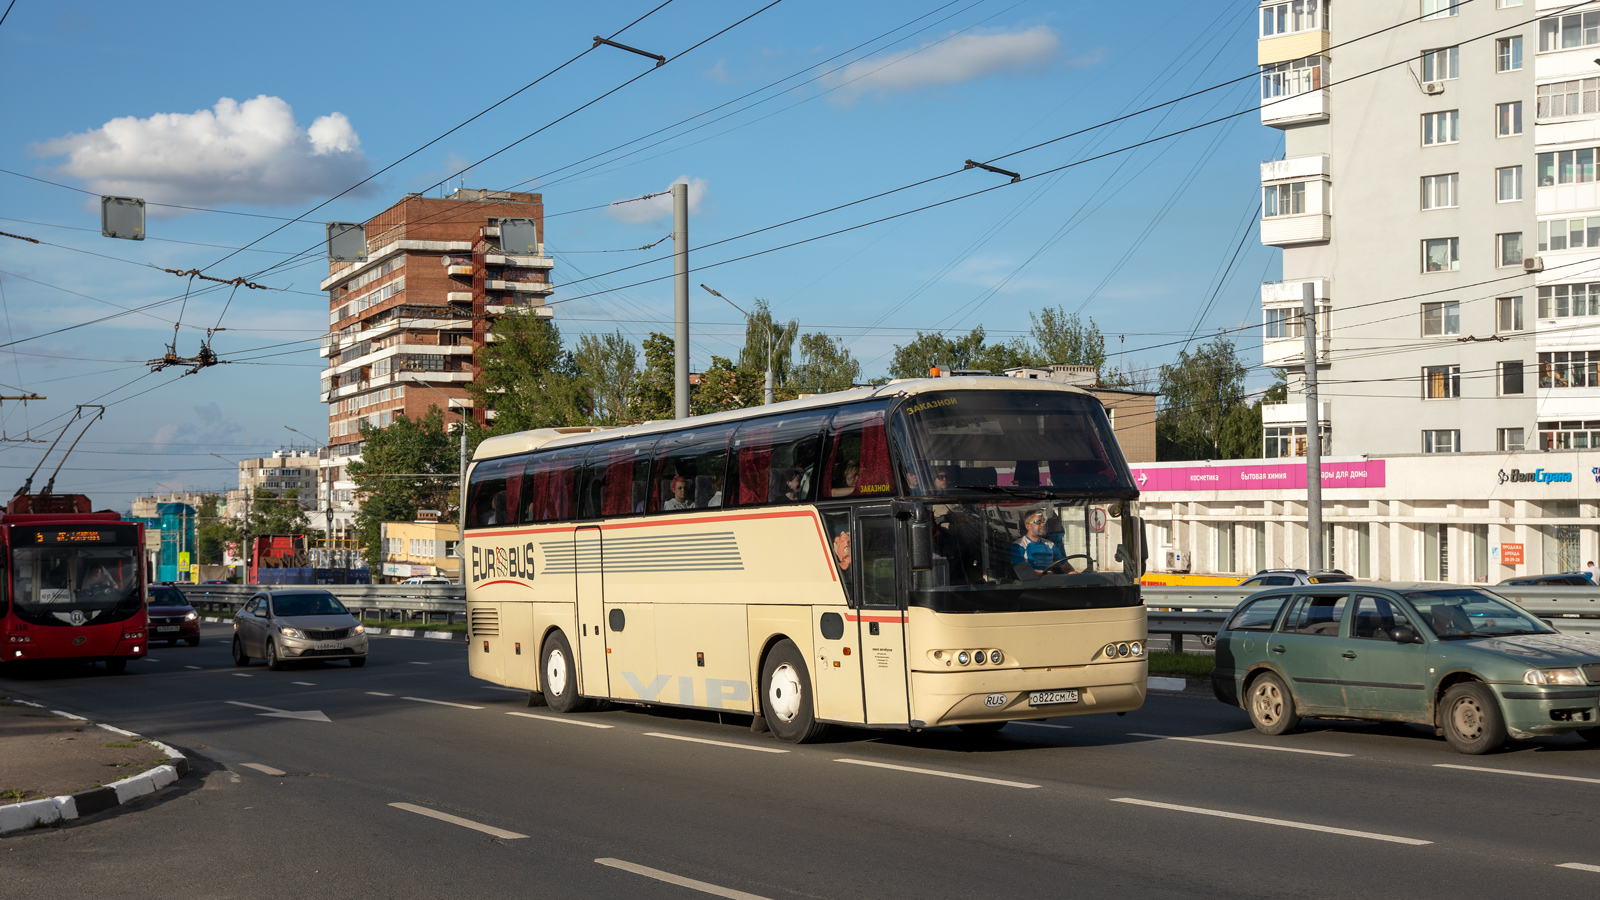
x,y
1088,563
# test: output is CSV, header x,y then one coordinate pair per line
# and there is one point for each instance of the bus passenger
x,y
841,550
680,495
846,484
1033,552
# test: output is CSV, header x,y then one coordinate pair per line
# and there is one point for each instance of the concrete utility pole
x,y
1313,437
680,301
461,473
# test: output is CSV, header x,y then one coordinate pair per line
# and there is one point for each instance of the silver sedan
x,y
285,625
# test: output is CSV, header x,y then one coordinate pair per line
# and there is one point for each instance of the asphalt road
x,y
1180,799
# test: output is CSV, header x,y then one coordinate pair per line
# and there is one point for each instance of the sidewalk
x,y
55,766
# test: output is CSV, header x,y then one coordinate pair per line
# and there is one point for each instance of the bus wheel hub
x,y
783,694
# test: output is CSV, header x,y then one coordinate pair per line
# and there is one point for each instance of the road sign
x,y
1097,520
183,561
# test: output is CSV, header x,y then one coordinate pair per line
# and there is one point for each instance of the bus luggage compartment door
x,y
588,636
881,619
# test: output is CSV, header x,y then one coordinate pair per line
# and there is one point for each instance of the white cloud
x,y
213,428
959,59
718,73
251,152
641,212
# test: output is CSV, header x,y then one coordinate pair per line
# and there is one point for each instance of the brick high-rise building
x,y
405,325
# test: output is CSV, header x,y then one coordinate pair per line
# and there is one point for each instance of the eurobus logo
x,y
502,562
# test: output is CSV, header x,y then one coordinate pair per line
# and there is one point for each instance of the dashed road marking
x,y
703,887
695,740
1195,740
440,702
151,659
878,765
264,769
1582,867
191,667
305,683
415,663
1304,826
457,820
1515,772
241,675
560,719
377,694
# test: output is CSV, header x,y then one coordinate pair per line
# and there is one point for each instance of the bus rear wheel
x,y
786,696
558,677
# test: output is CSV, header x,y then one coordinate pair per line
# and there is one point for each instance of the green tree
x,y
724,386
274,514
933,348
760,333
609,365
212,531
655,395
527,378
1203,412
826,365
1061,338
411,465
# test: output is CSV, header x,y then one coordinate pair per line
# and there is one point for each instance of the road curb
x,y
1163,683
54,810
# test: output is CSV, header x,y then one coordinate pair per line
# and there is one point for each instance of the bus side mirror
x,y
921,546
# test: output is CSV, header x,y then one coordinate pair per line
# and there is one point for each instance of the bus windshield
x,y
1020,442
76,585
1010,556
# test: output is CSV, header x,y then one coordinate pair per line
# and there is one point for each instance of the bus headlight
x,y
995,657
1122,649
979,657
963,657
1136,649
1111,651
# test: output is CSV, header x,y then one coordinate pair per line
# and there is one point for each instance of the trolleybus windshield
x,y
79,575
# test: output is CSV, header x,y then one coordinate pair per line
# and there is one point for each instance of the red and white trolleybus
x,y
73,582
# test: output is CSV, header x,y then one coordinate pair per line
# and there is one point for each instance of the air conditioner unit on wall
x,y
1533,264
1177,561
1433,87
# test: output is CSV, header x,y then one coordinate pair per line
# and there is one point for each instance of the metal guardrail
x,y
404,601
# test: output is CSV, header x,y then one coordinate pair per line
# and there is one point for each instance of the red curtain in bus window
x,y
755,464
514,475
857,463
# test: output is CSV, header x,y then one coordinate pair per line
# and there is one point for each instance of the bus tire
x,y
786,696
559,676
116,665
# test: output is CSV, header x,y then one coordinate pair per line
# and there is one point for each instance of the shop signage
x,y
1258,477
1537,476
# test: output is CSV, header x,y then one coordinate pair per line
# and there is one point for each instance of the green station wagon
x,y
1475,667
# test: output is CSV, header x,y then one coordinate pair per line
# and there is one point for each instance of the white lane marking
x,y
242,675
1195,740
457,820
415,663
305,683
151,659
695,740
309,715
496,687
561,720
703,887
376,694
264,769
1515,772
879,765
1582,867
441,702
1042,725
1305,826
191,667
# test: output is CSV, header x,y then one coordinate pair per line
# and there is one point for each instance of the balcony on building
x,y
1283,429
1295,201
1291,29
1283,321
1295,92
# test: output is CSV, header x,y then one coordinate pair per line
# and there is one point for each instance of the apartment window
x,y
1569,435
1508,54
1439,9
1441,441
1506,4
1558,301
1568,98
1284,323
1508,440
1511,377
1567,167
1290,440
1574,369
1510,248
1508,118
1441,318
1226,561
1508,314
1284,199
1441,382
1508,184
1294,77
1441,127
1569,234
1441,64
1441,255
1567,32
1439,191
1295,16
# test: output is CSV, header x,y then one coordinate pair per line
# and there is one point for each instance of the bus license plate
x,y
328,645
1046,698
166,628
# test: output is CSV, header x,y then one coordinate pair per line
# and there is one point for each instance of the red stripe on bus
x,y
507,581
851,618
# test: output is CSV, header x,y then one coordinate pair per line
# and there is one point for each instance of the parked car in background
x,y
1285,577
172,619
428,579
1574,579
280,626
1476,668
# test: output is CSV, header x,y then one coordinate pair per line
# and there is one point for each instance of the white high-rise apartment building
x,y
1445,215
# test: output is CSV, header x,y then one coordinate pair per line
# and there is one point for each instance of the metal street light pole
x,y
767,395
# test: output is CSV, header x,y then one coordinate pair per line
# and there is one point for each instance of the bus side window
x,y
775,459
609,473
689,470
857,463
550,486
486,493
836,525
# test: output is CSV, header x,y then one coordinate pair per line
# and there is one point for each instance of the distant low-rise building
x,y
283,471
411,549
1132,413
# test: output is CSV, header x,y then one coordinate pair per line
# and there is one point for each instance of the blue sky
x,y
269,110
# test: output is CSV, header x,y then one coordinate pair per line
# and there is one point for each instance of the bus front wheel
x,y
786,696
558,677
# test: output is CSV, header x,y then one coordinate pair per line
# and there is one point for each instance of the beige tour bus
x,y
947,551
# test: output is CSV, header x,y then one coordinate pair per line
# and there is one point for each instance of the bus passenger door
x,y
589,635
882,617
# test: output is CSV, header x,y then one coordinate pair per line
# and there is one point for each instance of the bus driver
x,y
1033,551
